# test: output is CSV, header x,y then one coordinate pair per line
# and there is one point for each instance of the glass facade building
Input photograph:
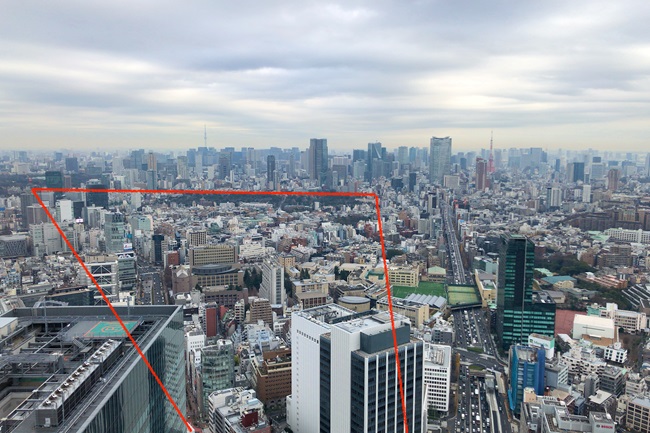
x,y
520,311
126,397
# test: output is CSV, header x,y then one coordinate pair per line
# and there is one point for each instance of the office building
x,y
526,370
270,172
613,179
481,174
260,309
439,159
272,287
212,254
197,237
272,375
110,388
318,161
114,232
520,311
437,376
217,370
96,198
344,372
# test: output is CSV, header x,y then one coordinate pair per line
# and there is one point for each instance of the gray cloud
x,y
276,73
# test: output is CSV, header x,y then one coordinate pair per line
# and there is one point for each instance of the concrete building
x,y
417,313
526,368
212,254
272,375
260,309
403,276
343,372
594,328
637,417
272,287
237,410
437,376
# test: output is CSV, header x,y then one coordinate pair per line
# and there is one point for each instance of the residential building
x,y
260,309
637,417
272,375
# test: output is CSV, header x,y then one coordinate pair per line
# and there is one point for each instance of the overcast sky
x,y
151,74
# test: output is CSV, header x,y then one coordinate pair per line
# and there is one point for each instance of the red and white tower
x,y
490,169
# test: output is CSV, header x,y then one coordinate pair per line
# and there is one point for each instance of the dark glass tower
x,y
520,312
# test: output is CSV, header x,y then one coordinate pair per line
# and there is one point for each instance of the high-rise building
x,y
270,172
647,164
481,174
54,179
152,161
71,165
344,372
272,287
526,368
99,198
374,165
109,389
217,370
437,376
439,159
520,311
114,232
612,179
318,161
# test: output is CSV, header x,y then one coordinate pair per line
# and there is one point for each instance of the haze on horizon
x,y
151,74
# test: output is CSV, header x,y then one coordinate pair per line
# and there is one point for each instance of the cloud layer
x,y
151,74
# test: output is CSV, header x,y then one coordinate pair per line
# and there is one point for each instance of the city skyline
x,y
545,75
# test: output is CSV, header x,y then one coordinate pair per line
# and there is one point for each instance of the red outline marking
x,y
35,191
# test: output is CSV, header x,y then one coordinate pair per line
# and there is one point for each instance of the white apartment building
x,y
272,287
437,376
638,236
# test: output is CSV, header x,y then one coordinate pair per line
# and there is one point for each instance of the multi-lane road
x,y
152,292
479,410
453,250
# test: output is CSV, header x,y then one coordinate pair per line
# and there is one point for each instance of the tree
x,y
336,272
198,288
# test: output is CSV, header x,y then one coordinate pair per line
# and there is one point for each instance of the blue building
x,y
526,367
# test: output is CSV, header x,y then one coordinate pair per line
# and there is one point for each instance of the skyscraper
x,y
270,172
612,179
114,232
374,164
520,311
481,174
108,390
344,372
439,159
318,161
